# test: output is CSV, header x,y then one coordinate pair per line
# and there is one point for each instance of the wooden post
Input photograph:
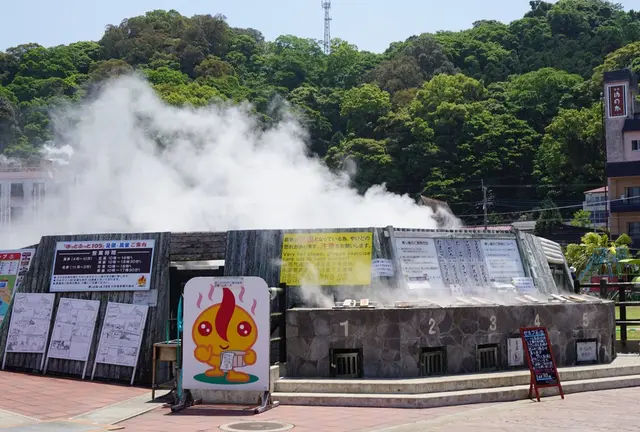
x,y
603,287
622,297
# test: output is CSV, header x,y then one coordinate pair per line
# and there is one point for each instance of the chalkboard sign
x,y
542,365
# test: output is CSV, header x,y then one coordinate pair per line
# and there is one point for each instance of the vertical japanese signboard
x,y
542,365
13,266
617,96
328,259
119,265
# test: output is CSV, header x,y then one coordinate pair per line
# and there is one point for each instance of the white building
x,y
595,202
22,193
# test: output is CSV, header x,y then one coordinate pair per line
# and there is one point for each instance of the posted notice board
x,y
73,330
121,335
29,325
118,265
328,259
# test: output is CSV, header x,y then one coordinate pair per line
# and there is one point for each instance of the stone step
x,y
622,366
464,397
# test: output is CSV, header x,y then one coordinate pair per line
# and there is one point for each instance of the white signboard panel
x,y
462,264
226,334
382,267
587,351
118,265
73,330
121,335
515,352
29,325
503,261
419,262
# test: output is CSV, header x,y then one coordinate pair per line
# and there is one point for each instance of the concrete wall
x,y
629,154
391,339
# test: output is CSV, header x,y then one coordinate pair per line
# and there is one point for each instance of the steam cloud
x,y
135,164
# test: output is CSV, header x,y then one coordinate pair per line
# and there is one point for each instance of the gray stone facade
x,y
392,339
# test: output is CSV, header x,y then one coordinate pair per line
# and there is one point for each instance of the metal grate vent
x,y
433,361
487,358
346,363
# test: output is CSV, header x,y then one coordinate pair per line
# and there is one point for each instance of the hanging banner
x,y
327,259
226,334
14,264
117,265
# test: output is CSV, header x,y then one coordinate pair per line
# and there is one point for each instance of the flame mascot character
x,y
224,334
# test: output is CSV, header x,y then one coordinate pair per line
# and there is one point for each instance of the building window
x,y
634,231
16,213
38,190
632,195
599,216
635,145
17,190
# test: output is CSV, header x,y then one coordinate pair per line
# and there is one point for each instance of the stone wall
x,y
391,339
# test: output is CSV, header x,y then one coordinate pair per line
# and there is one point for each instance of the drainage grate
x,y
346,363
256,426
487,358
433,361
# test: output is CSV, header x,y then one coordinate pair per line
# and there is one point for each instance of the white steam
x,y
215,171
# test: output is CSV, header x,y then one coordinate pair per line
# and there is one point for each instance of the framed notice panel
x,y
29,325
118,265
121,336
327,259
73,331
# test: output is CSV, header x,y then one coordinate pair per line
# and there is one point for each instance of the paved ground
x,y
30,403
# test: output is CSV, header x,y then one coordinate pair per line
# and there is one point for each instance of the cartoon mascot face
x,y
224,334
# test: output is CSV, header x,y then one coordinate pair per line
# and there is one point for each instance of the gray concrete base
x,y
455,390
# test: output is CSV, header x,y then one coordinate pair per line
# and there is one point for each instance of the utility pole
x,y
326,5
484,204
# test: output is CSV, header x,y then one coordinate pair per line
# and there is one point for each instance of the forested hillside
x,y
517,105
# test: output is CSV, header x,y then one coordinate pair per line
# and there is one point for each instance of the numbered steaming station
x,y
410,303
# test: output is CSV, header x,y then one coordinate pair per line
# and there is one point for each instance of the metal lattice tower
x,y
326,5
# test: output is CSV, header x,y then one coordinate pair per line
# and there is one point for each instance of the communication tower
x,y
326,5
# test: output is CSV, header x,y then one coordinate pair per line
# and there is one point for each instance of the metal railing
x,y
619,292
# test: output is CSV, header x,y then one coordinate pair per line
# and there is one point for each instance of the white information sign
x,y
382,267
121,336
524,285
587,351
148,298
462,264
73,331
503,260
29,324
515,352
419,262
226,334
118,265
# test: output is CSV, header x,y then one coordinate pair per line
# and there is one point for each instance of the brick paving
x,y
45,398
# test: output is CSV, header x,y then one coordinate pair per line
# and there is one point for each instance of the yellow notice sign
x,y
326,259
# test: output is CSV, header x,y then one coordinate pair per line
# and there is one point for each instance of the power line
x,y
552,208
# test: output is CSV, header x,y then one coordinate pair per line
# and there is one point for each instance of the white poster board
x,y
73,331
121,336
419,262
226,334
503,260
29,325
515,352
86,266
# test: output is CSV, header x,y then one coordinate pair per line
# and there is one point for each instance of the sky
x,y
370,24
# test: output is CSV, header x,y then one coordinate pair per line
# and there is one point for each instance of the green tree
x,y
581,218
549,220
